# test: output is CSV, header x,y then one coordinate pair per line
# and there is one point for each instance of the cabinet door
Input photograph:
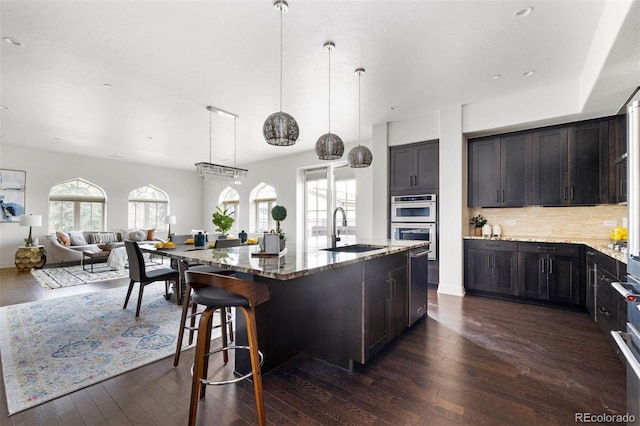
x,y
398,300
505,272
426,166
563,278
515,170
549,172
532,275
484,173
401,173
588,163
591,271
478,269
375,316
617,163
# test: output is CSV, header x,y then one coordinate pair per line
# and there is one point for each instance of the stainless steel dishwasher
x,y
418,282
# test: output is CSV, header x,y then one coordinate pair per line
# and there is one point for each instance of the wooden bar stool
x,y
214,292
226,323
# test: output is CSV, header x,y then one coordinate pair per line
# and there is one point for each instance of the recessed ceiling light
x,y
108,86
12,41
56,138
150,137
496,76
115,156
4,107
394,107
528,73
521,13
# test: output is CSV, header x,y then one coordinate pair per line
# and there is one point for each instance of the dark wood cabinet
x,y
413,167
550,272
385,302
491,266
499,171
570,164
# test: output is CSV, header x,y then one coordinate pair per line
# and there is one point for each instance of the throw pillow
x,y
63,238
137,235
150,234
125,233
77,238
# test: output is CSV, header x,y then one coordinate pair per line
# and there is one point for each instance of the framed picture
x,y
12,194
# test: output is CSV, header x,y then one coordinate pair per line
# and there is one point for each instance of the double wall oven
x,y
414,217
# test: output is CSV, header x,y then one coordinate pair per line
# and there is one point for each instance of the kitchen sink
x,y
355,248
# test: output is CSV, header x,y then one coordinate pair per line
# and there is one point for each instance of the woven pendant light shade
x,y
359,156
280,129
329,147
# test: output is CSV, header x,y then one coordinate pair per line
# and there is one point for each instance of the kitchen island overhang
x,y
342,307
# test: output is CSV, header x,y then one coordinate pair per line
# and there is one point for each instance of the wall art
x,y
12,194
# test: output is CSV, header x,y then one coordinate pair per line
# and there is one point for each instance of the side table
x,y
30,257
94,256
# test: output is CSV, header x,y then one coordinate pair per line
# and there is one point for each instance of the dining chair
x,y
138,273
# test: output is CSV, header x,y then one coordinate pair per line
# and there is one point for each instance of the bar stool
x,y
225,313
214,292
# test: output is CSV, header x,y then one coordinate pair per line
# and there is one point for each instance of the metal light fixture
x,y
217,172
280,128
329,146
359,156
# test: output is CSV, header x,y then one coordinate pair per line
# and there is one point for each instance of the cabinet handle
x,y
547,248
503,195
604,312
564,192
497,195
572,191
542,265
489,261
550,266
495,262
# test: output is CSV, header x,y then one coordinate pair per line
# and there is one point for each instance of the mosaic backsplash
x,y
570,222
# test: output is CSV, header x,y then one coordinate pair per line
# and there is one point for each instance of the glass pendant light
x,y
359,156
280,128
329,146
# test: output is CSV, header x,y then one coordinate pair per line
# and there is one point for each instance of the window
x,y
77,205
230,201
325,189
148,206
264,201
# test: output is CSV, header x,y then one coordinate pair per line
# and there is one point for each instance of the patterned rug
x,y
54,347
68,276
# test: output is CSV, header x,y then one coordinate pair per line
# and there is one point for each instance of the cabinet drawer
x,y
550,248
492,245
606,262
606,294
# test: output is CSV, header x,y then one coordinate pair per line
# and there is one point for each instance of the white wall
x,y
117,178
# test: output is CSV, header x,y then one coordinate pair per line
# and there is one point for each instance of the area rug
x,y
54,347
69,276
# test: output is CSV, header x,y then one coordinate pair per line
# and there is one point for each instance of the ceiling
x,y
165,61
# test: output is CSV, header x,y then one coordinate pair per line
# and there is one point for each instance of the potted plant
x,y
279,213
223,220
478,222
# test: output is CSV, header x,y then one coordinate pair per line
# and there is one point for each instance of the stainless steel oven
x,y
416,231
413,208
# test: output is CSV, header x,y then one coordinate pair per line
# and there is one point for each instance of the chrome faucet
x,y
335,236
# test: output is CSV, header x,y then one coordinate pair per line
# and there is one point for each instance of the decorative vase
x,y
477,232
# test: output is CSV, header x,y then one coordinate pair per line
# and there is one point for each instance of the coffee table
x,y
93,257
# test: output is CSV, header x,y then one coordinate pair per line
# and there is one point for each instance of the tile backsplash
x,y
573,222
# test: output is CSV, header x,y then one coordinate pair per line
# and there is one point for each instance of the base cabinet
x,y
385,302
533,271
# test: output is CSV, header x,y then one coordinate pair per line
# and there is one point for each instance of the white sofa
x,y
79,241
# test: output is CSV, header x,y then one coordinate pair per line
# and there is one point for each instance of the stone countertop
x,y
600,245
296,261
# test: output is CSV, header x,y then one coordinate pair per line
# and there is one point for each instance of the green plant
x,y
279,213
478,221
222,219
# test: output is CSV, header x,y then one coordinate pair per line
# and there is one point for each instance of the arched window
x,y
230,201
264,200
148,206
77,205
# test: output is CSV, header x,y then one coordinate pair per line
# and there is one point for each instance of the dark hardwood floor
x,y
471,361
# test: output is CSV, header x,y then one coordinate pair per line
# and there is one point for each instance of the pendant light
x,y
329,146
280,128
359,156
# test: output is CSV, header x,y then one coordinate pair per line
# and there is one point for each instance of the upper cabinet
x,y
499,172
413,167
618,158
554,166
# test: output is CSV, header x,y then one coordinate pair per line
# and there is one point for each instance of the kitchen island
x,y
340,306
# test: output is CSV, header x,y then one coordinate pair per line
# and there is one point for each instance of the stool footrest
x,y
230,381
